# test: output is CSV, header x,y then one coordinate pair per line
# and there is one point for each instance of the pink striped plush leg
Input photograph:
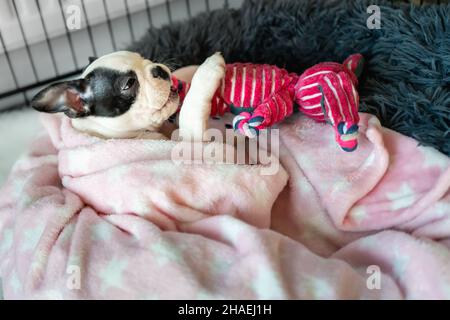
x,y
340,101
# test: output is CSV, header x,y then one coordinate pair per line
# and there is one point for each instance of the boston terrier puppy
x,y
122,95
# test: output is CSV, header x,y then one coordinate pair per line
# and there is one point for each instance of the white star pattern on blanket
x,y
15,283
402,198
32,237
267,284
316,288
112,274
401,263
6,241
102,231
166,252
434,159
358,213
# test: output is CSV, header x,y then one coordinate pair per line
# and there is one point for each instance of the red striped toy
x,y
262,95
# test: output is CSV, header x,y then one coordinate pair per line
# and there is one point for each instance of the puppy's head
x,y
117,96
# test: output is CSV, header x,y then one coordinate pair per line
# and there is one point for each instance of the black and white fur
x,y
122,95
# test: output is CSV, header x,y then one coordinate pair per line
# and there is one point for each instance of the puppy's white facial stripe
x,y
87,95
122,61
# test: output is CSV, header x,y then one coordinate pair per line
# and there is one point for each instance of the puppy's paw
x,y
215,62
212,71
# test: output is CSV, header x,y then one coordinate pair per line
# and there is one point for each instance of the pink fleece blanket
x,y
84,218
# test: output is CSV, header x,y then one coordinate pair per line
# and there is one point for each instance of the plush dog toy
x,y
123,95
262,95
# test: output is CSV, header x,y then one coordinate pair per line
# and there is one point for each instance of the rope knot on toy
x,y
347,136
248,125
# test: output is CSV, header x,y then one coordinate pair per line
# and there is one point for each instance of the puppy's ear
x,y
92,59
68,97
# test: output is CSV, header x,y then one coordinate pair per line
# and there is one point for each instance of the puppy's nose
x,y
159,72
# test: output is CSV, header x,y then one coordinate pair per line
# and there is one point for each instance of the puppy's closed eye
x,y
128,85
